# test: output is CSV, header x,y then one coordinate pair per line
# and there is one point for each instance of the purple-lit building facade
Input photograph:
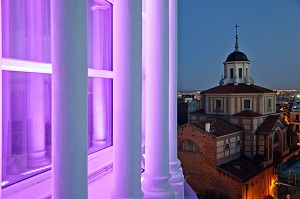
x,y
80,81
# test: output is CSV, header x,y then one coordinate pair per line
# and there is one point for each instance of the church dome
x,y
237,56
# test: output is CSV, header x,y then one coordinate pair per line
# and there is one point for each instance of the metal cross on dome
x,y
236,29
236,37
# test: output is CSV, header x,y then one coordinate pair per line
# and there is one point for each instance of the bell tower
x,y
236,66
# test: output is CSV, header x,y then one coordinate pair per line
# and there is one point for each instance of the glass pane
x,y
100,35
99,114
26,134
26,30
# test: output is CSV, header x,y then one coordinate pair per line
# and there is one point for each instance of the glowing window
x,y
26,93
26,85
100,86
100,34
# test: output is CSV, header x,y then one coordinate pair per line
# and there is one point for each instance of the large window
x,y
240,73
231,73
100,75
188,145
26,85
26,89
218,104
247,104
269,103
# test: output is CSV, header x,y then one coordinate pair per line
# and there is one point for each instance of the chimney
x,y
207,127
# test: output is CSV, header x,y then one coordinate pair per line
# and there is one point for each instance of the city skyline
x,y
267,35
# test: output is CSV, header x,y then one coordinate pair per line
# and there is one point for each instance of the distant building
x,y
295,116
213,160
187,102
235,143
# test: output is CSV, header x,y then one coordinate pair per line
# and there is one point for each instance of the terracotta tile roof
x,y
267,126
247,113
218,127
240,88
241,169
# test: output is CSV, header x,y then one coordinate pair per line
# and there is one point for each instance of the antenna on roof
x,y
236,38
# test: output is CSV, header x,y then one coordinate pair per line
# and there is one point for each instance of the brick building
x,y
235,143
214,160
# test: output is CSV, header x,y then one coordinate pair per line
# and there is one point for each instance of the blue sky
x,y
269,34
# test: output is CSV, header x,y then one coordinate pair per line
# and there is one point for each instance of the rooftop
x,y
236,56
241,168
247,113
267,126
218,127
198,112
240,88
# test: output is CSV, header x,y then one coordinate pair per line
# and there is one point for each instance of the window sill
x,y
39,186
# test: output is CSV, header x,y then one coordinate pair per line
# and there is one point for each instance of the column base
x,y
157,187
178,187
176,172
114,195
37,159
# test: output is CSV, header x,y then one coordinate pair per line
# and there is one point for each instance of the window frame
x,y
216,108
240,73
190,143
226,148
269,103
231,73
246,108
97,160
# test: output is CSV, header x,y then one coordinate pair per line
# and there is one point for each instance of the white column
x,y
156,173
69,99
35,87
127,101
177,178
99,90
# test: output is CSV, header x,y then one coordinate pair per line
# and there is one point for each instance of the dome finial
x,y
236,38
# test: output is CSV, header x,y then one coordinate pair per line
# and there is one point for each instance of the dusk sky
x,y
269,34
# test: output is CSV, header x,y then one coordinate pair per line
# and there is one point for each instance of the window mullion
x,y
26,66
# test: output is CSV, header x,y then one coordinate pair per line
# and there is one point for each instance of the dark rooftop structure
x,y
241,168
247,113
218,127
198,112
236,56
267,126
